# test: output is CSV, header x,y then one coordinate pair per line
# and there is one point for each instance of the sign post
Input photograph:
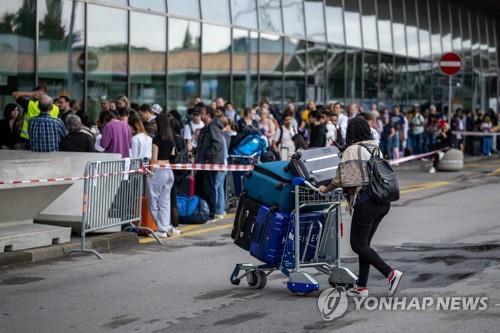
x,y
450,65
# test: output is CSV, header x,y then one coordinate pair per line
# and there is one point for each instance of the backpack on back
x,y
383,184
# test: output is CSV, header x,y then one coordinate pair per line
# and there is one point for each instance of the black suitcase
x,y
318,165
246,213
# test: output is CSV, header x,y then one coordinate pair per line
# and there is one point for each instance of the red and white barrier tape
x,y
185,166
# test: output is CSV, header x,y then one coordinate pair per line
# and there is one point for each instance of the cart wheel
x,y
257,279
346,286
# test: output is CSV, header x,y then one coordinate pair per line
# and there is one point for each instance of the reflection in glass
x,y
316,60
335,22
270,15
398,27
61,46
189,8
271,67
413,85
467,58
352,24
455,24
315,20
493,75
411,30
445,26
435,31
158,5
244,13
295,70
385,91
425,82
17,65
293,17
245,67
400,81
336,74
476,59
148,47
369,20
216,60
107,53
354,67
216,11
370,79
384,26
424,34
183,62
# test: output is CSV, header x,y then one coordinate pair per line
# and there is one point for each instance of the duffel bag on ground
x,y
192,209
271,185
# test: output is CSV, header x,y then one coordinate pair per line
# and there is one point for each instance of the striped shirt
x,y
46,133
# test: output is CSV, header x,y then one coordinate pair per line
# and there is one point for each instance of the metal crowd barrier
x,y
111,197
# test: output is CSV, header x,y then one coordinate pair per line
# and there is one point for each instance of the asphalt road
x,y
444,234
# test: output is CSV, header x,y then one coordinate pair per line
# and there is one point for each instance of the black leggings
x,y
365,220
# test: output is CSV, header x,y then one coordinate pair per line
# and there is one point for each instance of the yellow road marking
x,y
496,172
194,230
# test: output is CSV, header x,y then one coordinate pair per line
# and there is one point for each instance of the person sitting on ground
x,y
45,132
352,176
77,139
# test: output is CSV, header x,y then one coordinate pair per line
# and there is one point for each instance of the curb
x,y
99,243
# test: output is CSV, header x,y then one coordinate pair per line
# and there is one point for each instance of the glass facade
x,y
169,51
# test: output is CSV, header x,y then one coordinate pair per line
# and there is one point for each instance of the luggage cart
x,y
234,179
319,250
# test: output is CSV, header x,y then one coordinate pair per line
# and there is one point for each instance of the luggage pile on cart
x,y
283,221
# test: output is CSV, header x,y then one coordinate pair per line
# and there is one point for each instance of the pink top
x,y
117,138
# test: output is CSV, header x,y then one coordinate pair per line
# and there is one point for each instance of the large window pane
x,y
424,34
295,70
413,77
354,67
216,11
245,67
435,29
270,15
107,53
370,79
476,59
183,62
189,8
335,22
384,26
386,69
293,17
17,65
216,52
148,48
158,5
411,30
62,35
467,57
315,20
244,13
400,81
456,28
445,26
425,82
271,67
316,85
352,24
398,27
369,24
336,74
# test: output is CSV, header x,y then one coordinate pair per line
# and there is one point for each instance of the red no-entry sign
x,y
450,63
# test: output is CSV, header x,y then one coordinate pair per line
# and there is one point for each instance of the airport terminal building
x,y
168,51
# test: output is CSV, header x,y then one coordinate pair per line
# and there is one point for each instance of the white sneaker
x,y
159,234
394,279
219,216
175,231
432,170
357,292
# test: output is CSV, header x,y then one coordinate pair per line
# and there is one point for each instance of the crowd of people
x,y
209,132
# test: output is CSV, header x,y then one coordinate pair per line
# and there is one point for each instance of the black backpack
x,y
383,184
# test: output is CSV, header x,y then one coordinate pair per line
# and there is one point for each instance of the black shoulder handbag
x,y
383,184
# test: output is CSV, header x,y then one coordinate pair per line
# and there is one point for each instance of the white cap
x,y
156,108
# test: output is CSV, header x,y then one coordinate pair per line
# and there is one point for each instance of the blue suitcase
x,y
308,226
269,235
271,185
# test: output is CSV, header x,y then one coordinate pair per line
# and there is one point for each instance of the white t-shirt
x,y
331,134
343,120
286,146
142,146
188,135
375,135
